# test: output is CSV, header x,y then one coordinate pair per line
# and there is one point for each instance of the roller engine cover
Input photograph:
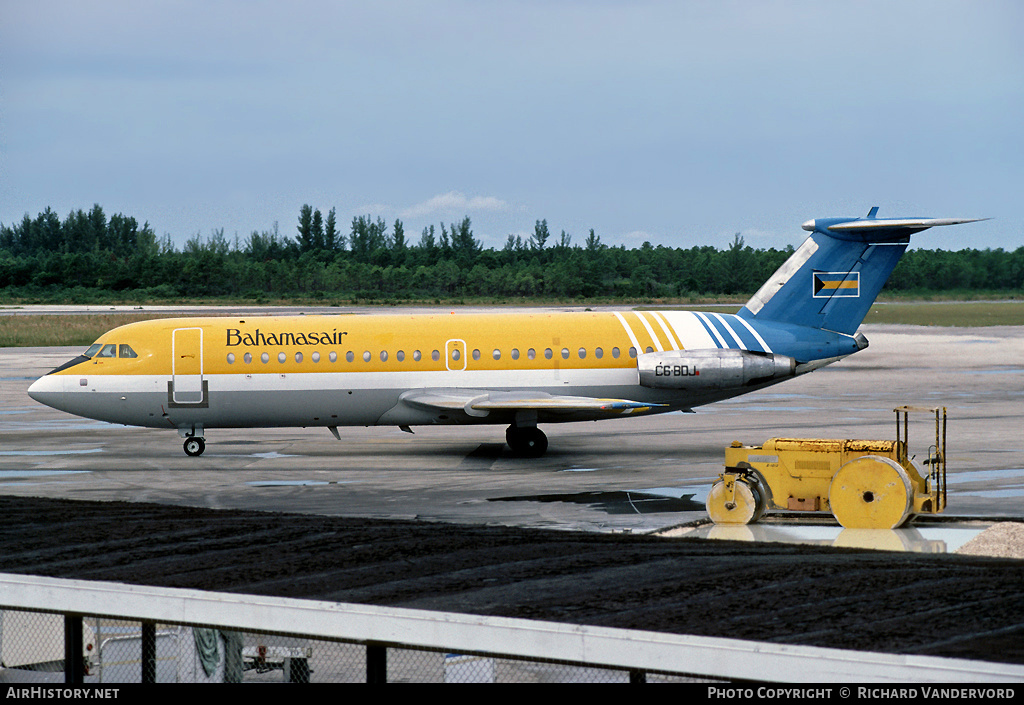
x,y
712,369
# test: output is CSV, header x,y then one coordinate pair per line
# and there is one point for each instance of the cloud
x,y
454,202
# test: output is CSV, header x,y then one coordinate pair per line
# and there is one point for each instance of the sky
x,y
679,123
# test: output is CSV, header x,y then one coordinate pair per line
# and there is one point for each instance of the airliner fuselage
x,y
517,369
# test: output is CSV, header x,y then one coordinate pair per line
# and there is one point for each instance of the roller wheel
x,y
741,505
762,493
871,492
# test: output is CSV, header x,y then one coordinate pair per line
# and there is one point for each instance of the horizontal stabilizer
x,y
914,223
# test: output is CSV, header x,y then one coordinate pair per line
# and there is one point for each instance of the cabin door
x,y
455,354
187,366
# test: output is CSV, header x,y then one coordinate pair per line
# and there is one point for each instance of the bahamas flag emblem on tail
x,y
833,284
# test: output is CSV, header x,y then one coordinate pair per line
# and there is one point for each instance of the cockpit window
x,y
125,351
93,349
109,350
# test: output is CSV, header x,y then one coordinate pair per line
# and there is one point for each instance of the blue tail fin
x,y
833,278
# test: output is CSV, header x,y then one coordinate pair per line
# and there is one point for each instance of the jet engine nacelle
x,y
712,369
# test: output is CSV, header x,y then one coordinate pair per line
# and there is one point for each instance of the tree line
x,y
88,254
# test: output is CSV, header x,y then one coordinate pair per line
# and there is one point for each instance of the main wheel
x,y
742,504
526,441
194,446
871,492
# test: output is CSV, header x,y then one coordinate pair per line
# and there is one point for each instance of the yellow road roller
x,y
864,484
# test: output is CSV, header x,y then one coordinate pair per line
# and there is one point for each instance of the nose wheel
x,y
194,446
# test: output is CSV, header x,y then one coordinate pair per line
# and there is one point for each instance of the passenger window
x,y
108,351
531,353
496,354
565,353
416,355
435,356
400,355
615,352
515,353
125,351
598,353
547,353
632,352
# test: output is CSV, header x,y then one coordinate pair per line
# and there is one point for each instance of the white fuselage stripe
x,y
629,332
672,342
383,380
689,330
757,336
650,331
725,324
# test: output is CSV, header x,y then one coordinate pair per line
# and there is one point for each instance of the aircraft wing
x,y
482,402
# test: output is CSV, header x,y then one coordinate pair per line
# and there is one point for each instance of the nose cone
x,y
48,390
808,226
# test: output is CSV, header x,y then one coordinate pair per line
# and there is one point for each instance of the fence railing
x,y
78,631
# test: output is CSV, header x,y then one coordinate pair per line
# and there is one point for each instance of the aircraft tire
x,y
194,447
526,442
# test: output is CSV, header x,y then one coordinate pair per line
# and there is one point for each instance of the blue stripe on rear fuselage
x,y
730,331
802,343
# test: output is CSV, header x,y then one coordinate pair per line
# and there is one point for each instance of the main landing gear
x,y
194,446
526,441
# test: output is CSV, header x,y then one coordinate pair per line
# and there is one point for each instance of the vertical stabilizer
x,y
833,278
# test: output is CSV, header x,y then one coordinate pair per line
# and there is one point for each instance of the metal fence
x,y
70,631
125,651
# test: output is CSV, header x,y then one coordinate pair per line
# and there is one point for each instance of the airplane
x,y
515,369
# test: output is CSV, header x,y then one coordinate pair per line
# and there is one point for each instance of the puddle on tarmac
x,y
916,539
620,501
956,478
923,538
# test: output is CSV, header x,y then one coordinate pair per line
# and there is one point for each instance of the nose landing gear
x,y
194,446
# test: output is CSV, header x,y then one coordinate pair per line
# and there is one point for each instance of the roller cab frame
x,y
864,484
